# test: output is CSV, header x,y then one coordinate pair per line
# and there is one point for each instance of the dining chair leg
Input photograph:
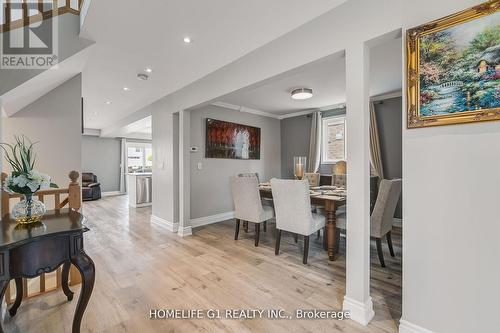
x,y
306,249
389,242
296,238
278,241
237,229
265,226
257,233
337,241
379,251
245,226
325,240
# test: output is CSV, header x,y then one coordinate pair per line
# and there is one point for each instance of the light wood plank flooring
x,y
141,266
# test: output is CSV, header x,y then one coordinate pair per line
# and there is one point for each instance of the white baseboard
x,y
407,327
170,226
198,222
186,231
398,222
111,193
360,312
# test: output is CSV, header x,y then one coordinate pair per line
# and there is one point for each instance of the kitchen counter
x,y
139,189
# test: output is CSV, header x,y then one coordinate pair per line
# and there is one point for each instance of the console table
x,y
26,251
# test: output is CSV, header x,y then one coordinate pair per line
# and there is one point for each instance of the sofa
x,y
91,189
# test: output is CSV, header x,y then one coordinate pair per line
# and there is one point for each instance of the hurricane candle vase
x,y
299,165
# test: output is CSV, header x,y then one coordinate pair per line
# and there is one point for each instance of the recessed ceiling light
x,y
108,102
187,40
126,89
302,93
148,70
95,113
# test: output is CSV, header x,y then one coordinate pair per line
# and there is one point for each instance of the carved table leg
x,y
3,287
65,281
331,228
86,267
19,297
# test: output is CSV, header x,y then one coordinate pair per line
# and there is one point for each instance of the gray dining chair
x,y
382,217
292,204
265,201
312,178
247,204
250,174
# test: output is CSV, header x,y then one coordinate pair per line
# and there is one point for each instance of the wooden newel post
x,y
74,191
5,198
75,203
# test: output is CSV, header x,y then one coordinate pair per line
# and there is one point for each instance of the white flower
x,y
34,180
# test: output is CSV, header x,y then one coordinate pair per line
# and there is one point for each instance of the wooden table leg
x,y
3,287
86,267
19,297
330,228
65,281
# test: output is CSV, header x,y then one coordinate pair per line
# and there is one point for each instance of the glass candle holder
x,y
299,166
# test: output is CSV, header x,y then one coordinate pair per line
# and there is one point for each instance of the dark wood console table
x,y
28,251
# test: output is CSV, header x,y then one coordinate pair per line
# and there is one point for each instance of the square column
x,y
357,299
184,174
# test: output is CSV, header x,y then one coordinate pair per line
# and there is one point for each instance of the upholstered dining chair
x,y
312,178
250,174
382,217
247,204
292,204
265,201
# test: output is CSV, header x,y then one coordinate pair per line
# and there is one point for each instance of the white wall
x,y
210,190
54,121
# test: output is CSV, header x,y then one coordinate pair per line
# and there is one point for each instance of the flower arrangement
x,y
24,179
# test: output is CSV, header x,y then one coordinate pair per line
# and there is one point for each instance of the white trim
x,y
170,226
359,312
245,109
398,222
186,231
407,327
198,222
111,193
91,132
389,95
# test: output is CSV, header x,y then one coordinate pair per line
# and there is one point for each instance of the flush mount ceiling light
x,y
187,40
126,89
142,77
302,93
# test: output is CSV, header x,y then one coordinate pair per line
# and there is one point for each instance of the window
x,y
139,157
334,140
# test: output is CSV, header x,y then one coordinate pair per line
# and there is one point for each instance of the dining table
x,y
326,197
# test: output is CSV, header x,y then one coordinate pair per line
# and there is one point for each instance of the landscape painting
x,y
230,140
458,70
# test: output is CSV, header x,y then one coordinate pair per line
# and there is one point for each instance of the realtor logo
x,y
31,46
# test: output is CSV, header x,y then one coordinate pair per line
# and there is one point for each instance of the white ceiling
x,y
327,79
131,35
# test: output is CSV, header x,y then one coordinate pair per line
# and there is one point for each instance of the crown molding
x,y
245,109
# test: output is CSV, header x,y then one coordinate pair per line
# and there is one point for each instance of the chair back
x,y
249,174
292,205
382,216
312,178
339,180
340,168
246,198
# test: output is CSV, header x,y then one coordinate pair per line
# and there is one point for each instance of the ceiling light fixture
x,y
126,89
187,40
148,70
108,102
302,93
142,77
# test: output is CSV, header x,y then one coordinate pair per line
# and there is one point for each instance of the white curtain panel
x,y
375,152
123,166
315,143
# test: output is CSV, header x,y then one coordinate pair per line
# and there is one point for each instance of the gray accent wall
x,y
101,156
389,121
210,191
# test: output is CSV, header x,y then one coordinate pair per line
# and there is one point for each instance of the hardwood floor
x,y
142,266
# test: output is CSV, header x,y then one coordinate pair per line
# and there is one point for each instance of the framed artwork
x,y
229,140
453,71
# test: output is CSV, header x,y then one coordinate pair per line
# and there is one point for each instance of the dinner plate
x,y
315,187
314,193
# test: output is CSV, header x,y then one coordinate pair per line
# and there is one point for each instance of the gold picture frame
x,y
436,108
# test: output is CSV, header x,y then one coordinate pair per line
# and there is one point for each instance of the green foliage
x,y
489,37
21,155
